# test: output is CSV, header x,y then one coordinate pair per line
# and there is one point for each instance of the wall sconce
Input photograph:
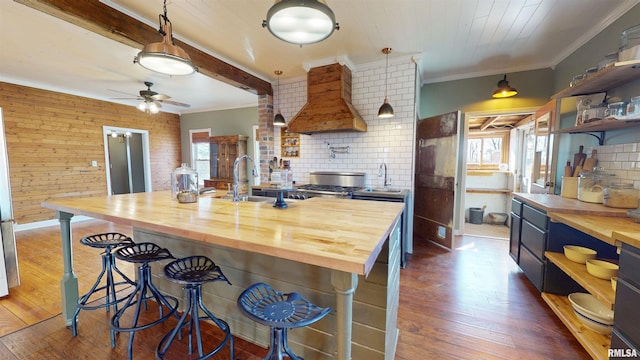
x,y
386,110
165,57
278,120
504,90
301,22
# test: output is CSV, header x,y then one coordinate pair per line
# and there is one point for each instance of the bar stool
x,y
265,305
142,254
194,271
108,242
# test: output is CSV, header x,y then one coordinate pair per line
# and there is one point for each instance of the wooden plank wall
x,y
53,137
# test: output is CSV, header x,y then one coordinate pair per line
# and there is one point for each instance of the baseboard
x,y
47,223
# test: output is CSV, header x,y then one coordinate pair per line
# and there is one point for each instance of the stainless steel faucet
x,y
254,172
382,171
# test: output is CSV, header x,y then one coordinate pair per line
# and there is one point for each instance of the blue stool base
x,y
110,299
141,296
194,304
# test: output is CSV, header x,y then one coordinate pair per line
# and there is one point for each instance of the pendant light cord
x,y
386,75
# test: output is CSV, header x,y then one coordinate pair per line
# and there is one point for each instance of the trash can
x,y
476,215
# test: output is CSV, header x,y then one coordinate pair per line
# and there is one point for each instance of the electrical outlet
x,y
94,163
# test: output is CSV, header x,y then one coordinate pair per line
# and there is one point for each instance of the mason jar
x,y
184,184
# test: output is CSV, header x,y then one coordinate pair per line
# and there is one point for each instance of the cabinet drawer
x,y
621,346
533,238
532,267
535,216
630,264
516,207
626,316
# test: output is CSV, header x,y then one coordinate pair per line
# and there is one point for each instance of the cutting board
x,y
578,158
591,162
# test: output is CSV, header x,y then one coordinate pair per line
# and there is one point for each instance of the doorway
x,y
493,171
127,160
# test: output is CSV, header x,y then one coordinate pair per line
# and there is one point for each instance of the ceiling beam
x,y
489,122
106,21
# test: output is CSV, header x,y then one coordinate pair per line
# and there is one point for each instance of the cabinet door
x,y
223,165
514,238
214,154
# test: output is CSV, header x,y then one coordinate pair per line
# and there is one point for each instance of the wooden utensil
x,y
567,169
577,158
578,169
591,162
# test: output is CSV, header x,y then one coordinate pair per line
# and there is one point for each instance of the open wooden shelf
x,y
599,125
595,344
599,288
603,80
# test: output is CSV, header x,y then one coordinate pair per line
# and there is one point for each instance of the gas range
x,y
330,184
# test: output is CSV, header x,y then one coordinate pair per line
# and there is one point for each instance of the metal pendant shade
x,y
504,90
165,57
301,22
386,110
279,120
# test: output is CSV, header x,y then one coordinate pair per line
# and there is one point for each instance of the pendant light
x,y
301,22
165,57
386,111
504,90
278,120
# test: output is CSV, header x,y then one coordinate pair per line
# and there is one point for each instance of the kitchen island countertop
x,y
340,235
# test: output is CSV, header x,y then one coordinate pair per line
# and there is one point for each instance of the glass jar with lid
x,y
591,185
629,41
634,106
616,109
620,195
184,184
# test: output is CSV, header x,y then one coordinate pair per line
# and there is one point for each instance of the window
x,y
487,151
200,159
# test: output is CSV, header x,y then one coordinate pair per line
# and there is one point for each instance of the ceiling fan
x,y
151,100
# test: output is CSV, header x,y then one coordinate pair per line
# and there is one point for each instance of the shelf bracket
x,y
600,137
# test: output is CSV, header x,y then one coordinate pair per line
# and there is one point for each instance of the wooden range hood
x,y
328,107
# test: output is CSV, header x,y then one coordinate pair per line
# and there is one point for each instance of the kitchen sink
x,y
250,198
383,190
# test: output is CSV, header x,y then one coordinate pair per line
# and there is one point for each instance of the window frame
x,y
504,151
197,134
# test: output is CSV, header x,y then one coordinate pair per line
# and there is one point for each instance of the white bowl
x,y
602,269
592,313
579,254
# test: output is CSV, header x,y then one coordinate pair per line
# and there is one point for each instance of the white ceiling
x,y
452,39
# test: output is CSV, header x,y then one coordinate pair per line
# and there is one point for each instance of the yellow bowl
x,y
614,283
602,269
579,254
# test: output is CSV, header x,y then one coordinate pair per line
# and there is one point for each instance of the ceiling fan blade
x,y
174,103
122,92
160,97
127,98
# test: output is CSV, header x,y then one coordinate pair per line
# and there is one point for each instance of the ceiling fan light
x,y
504,90
386,110
301,22
154,108
142,106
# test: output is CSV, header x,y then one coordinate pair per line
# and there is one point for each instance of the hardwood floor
x,y
470,303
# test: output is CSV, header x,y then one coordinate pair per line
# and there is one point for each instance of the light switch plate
x,y
94,163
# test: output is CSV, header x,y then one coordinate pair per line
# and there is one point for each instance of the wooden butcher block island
x,y
336,252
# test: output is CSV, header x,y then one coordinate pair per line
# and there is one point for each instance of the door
x,y
436,163
543,163
9,276
127,159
